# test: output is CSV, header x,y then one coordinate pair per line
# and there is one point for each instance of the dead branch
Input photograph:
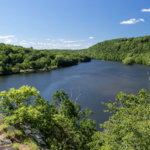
x,y
71,94
78,95
81,111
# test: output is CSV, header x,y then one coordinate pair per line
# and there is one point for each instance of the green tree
x,y
128,128
62,121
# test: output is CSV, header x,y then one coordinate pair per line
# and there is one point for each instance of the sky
x,y
71,24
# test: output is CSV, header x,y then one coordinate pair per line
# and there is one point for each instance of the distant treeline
x,y
15,59
137,49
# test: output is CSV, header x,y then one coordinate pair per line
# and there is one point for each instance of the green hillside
x,y
118,49
16,59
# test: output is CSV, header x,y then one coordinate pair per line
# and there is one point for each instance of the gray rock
x,y
36,134
5,141
7,148
39,138
27,132
1,132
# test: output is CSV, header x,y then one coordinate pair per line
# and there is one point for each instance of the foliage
x,y
62,122
128,128
128,61
65,126
119,49
15,58
16,146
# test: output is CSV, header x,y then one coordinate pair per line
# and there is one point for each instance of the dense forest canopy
x,y
118,49
14,59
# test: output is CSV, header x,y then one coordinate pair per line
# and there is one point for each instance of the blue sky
x,y
71,24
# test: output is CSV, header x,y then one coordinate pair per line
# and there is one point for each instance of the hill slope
x,y
118,49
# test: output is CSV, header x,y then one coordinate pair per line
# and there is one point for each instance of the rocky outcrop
x,y
5,143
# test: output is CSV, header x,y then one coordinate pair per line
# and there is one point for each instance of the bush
x,y
62,121
128,128
128,61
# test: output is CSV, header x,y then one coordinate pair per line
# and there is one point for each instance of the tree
x,y
62,122
128,128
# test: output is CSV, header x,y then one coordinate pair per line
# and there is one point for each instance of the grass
x,y
19,139
16,146
32,144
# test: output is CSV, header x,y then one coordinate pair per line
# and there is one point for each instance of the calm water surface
x,y
99,81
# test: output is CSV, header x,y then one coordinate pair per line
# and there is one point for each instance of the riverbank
x,y
38,70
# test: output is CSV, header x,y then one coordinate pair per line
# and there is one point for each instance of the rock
x,y
7,148
1,132
27,132
36,134
5,141
39,138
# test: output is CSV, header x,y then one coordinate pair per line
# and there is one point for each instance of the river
x,y
98,81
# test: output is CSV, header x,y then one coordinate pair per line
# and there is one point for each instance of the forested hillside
x,y
15,59
118,49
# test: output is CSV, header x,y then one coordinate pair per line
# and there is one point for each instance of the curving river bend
x,y
98,81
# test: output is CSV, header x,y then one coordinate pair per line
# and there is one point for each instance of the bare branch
x,y
81,111
71,94
79,93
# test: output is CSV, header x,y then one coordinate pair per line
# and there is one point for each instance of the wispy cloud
x,y
70,41
132,21
7,41
24,43
90,37
31,43
72,45
6,37
61,39
47,43
145,10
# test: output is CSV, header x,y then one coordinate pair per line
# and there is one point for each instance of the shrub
x,y
64,126
128,127
128,61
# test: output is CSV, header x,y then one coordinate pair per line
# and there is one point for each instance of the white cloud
x,y
48,44
145,10
7,41
90,37
61,40
72,45
132,21
5,37
70,41
24,43
31,43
